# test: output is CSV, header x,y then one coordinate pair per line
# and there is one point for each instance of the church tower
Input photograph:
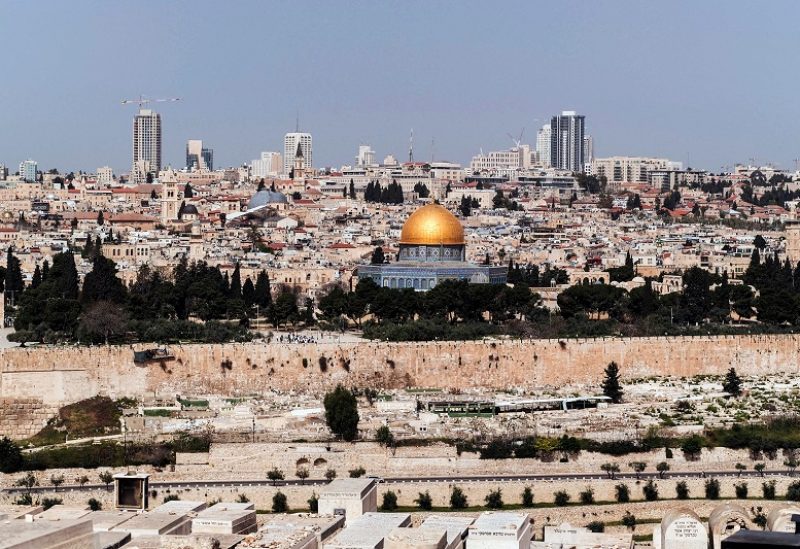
x,y
170,198
299,170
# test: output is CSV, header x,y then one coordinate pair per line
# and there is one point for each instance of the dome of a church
x,y
266,196
432,225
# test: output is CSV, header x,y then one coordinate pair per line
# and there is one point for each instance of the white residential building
x,y
629,169
543,146
105,175
366,156
27,170
269,165
290,142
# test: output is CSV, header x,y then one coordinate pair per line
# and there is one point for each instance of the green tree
x,y
11,459
629,521
313,503
458,500
768,489
612,388
341,413
95,505
378,257
682,490
741,490
102,284
793,491
527,497
330,474
712,488
732,383
424,501
302,473
650,491
101,218
279,503
638,468
358,472
587,496
561,498
494,499
275,475
384,436
389,501
662,468
759,468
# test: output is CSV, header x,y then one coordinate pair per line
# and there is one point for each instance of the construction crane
x,y
517,141
144,101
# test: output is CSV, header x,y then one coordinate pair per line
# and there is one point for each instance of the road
x,y
174,485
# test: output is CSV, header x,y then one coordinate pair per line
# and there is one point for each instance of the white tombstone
x,y
681,529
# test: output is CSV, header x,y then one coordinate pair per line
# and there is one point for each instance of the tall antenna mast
x,y
411,147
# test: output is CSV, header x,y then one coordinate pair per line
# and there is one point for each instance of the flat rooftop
x,y
368,530
347,487
501,521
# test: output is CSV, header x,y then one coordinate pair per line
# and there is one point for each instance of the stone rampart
x,y
61,375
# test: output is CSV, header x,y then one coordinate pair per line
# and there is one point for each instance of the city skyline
x,y
357,78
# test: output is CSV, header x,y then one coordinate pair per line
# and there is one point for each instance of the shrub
x,y
629,520
561,498
712,489
95,505
241,498
597,526
682,490
793,491
358,472
313,503
424,501
302,473
330,474
650,491
668,453
384,436
57,480
47,503
171,497
527,497
741,490
494,499
458,500
587,496
389,501
768,489
279,503
622,493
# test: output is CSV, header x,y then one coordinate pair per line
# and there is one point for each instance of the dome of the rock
x,y
432,225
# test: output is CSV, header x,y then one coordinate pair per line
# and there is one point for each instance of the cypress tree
x,y
611,385
37,277
248,293
236,283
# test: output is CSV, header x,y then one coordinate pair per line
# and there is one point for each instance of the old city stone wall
x,y
61,375
55,376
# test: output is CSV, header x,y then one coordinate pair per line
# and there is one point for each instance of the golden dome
x,y
432,225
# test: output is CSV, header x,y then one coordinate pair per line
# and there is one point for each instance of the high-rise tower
x,y
566,141
146,145
290,144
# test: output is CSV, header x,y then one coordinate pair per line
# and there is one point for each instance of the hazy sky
x,y
717,81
